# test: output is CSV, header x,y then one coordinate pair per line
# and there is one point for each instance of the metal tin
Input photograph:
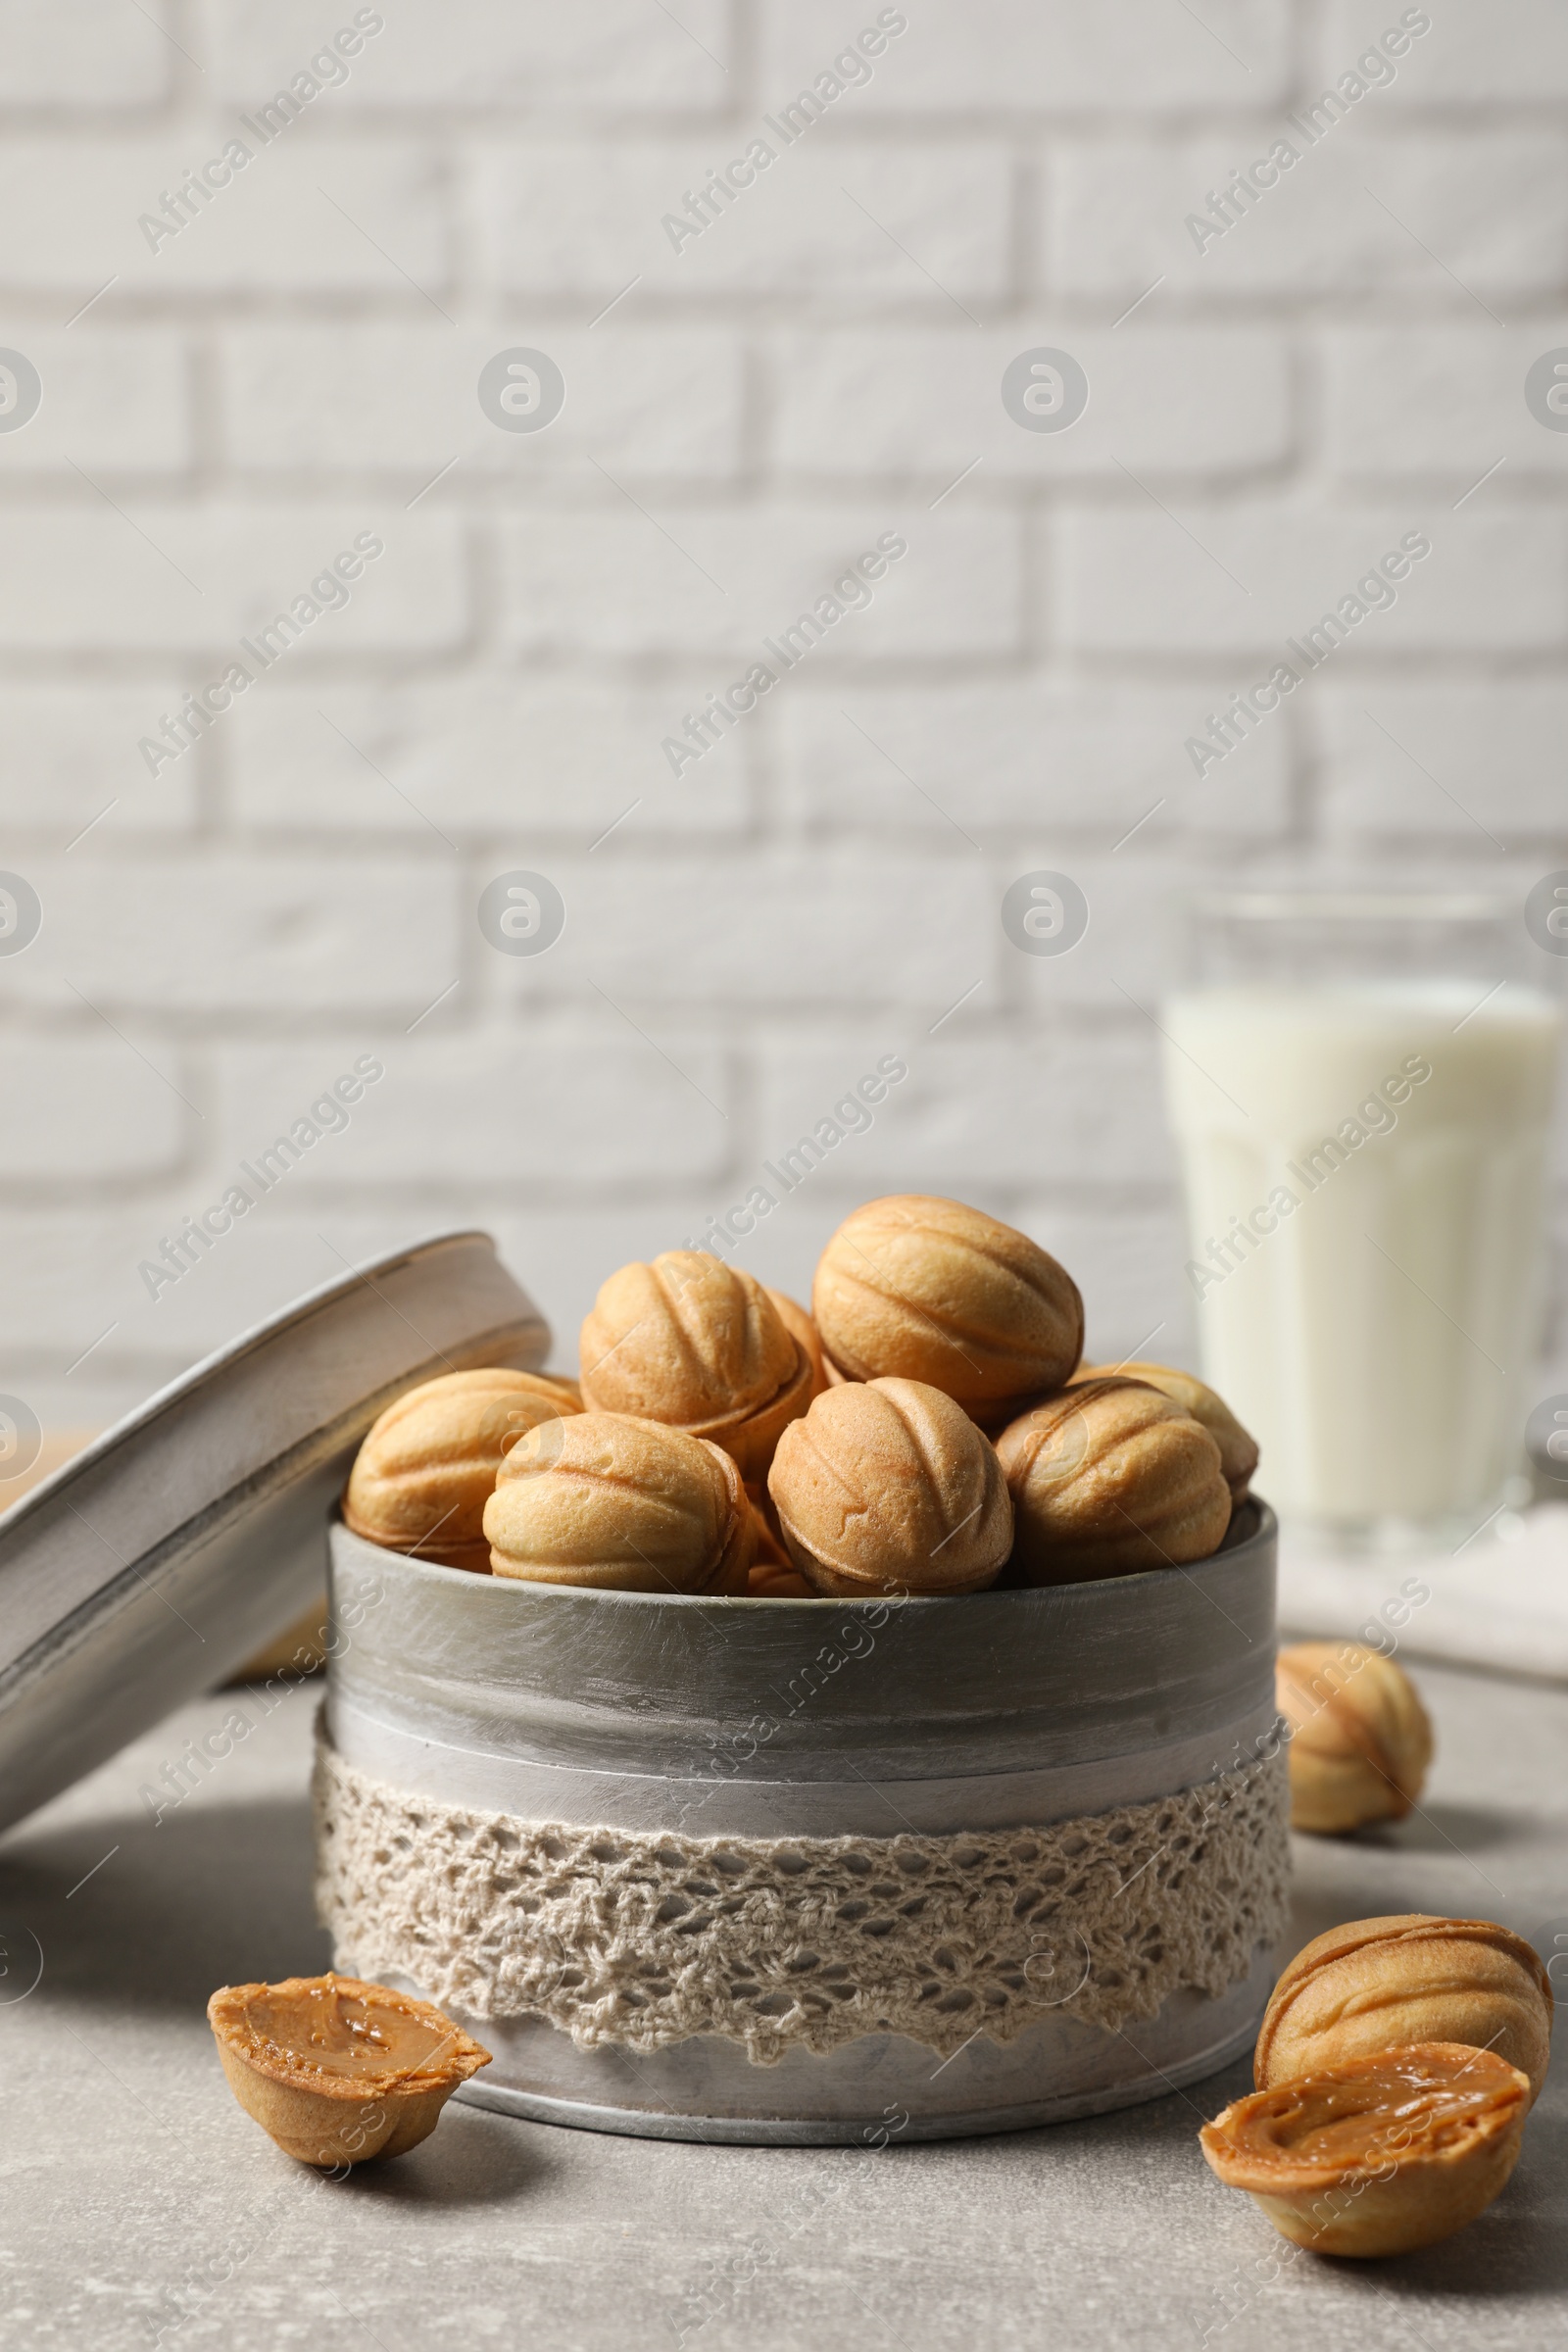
x,y
987,1711
153,1563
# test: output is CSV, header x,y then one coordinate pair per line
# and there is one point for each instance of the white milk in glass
x,y
1365,1170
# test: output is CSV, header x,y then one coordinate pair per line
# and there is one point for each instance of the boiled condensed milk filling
x,y
1352,2121
326,2032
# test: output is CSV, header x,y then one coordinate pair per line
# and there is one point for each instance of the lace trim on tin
x,y
644,1940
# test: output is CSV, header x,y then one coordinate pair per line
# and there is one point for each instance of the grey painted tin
x,y
816,1718
150,1566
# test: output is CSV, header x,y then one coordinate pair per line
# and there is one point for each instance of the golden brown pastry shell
x,y
613,1503
774,1575
1382,2155
428,1466
1360,1738
769,1579
914,1286
1111,1477
1238,1447
888,1487
700,1347
753,1441
324,2120
801,1328
1382,1983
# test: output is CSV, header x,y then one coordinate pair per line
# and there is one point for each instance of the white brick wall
x,y
307,216
895,406
828,219
93,55
391,400
224,409
149,576
1376,209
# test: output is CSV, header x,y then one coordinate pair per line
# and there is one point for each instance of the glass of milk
x,y
1362,1088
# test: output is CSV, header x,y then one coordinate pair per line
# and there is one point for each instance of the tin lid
x,y
150,1565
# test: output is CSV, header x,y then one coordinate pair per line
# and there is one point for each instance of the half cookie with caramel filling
x,y
1379,2155
337,2071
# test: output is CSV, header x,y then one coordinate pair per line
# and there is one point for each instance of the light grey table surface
x,y
139,2204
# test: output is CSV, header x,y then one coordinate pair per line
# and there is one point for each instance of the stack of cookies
x,y
928,1428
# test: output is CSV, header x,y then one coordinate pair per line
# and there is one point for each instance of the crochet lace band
x,y
643,1940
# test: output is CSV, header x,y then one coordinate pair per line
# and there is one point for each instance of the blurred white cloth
x,y
1500,1601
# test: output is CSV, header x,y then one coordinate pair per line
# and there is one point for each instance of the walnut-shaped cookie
x,y
1379,2155
1109,1479
1360,1738
918,1288
1378,1983
428,1466
887,1486
339,2072
700,1347
1238,1447
616,1504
